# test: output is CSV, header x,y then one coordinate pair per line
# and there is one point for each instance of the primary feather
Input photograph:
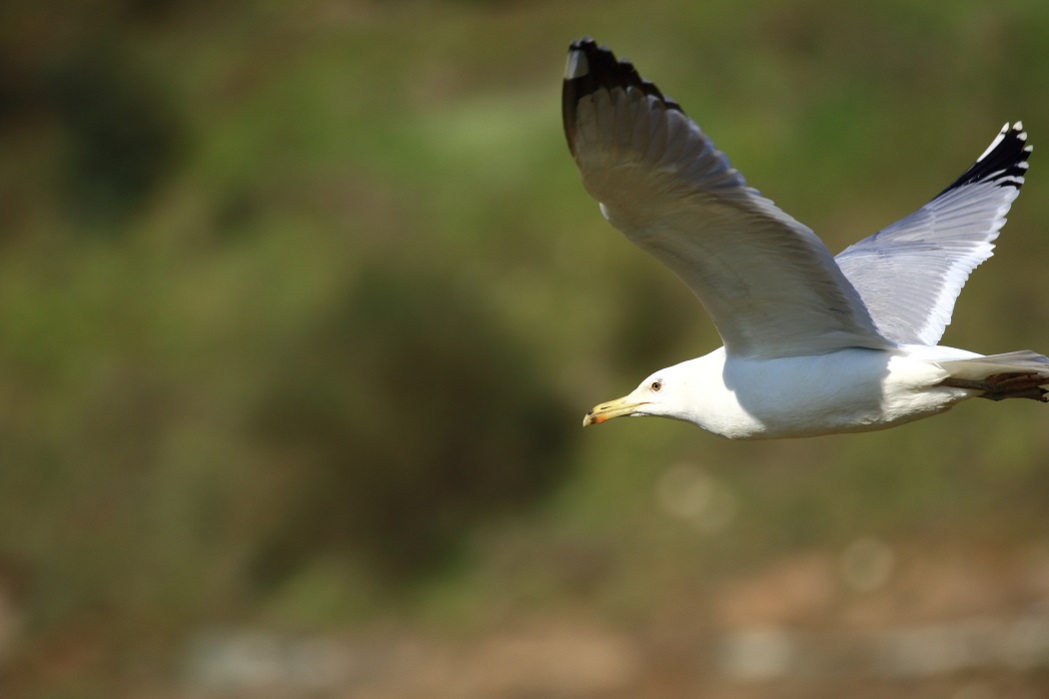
x,y
769,284
909,274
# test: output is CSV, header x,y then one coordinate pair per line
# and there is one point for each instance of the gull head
x,y
662,394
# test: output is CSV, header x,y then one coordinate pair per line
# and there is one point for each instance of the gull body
x,y
814,344
850,390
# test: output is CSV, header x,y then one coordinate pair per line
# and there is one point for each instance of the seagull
x,y
813,344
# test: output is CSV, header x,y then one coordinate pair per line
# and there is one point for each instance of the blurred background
x,y
301,305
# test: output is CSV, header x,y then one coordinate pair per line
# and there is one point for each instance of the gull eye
x,y
655,386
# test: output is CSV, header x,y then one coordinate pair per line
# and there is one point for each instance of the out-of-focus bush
x,y
405,416
122,135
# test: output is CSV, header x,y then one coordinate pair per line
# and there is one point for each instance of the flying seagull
x,y
813,344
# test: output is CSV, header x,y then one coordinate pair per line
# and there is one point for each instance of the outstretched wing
x,y
910,274
770,285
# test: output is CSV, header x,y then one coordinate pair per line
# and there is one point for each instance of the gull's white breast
x,y
850,390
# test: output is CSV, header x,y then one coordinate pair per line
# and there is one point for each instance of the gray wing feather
x,y
910,273
770,285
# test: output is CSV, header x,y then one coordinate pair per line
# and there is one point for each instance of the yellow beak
x,y
613,408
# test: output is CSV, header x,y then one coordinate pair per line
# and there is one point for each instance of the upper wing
x,y
910,274
770,285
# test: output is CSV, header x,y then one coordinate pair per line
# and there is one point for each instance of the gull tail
x,y
1021,374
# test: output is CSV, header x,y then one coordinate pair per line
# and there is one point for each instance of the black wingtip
x,y
1003,163
592,67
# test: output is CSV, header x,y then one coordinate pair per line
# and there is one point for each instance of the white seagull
x,y
813,344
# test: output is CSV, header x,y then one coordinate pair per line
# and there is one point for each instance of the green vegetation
x,y
301,306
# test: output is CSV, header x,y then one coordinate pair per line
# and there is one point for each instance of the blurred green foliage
x,y
395,454
302,304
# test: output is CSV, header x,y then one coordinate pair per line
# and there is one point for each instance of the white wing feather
x,y
910,273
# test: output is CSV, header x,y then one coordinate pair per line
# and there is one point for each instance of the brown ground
x,y
938,624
